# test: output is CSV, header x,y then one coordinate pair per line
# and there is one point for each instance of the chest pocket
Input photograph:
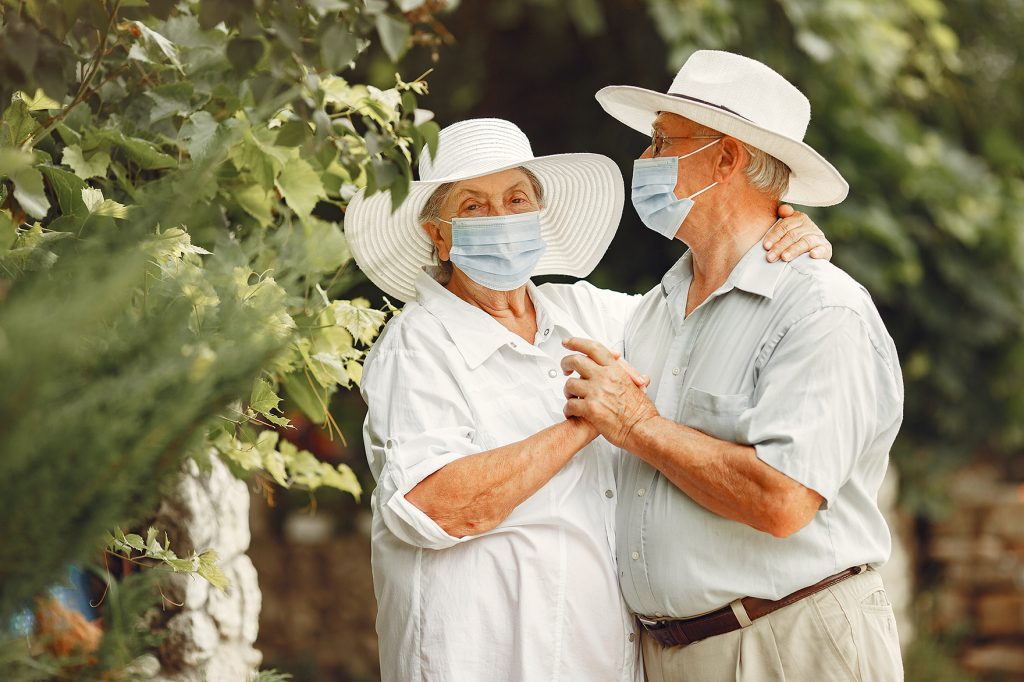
x,y
715,414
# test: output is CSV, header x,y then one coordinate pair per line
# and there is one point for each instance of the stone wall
x,y
979,553
211,635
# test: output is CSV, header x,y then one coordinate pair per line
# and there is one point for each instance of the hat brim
x,y
814,181
583,199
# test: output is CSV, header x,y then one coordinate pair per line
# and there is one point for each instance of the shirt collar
x,y
550,314
753,274
476,334
679,274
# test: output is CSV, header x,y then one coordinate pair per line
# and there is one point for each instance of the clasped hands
x,y
606,392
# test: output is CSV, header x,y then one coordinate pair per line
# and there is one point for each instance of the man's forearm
x,y
725,478
474,494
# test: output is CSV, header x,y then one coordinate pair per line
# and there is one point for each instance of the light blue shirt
x,y
794,360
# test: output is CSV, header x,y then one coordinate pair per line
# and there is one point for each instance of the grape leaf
x,y
362,321
165,46
17,124
209,569
28,190
68,188
301,186
13,160
95,166
199,131
97,205
38,101
144,153
263,399
394,35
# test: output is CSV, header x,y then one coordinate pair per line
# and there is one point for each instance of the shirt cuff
x,y
407,521
779,457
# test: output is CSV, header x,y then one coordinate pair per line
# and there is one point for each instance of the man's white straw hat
x,y
583,196
745,99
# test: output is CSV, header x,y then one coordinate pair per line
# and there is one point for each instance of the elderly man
x,y
748,529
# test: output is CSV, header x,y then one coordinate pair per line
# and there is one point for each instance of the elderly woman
x,y
493,516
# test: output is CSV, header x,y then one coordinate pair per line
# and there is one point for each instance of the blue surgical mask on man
x,y
654,197
498,252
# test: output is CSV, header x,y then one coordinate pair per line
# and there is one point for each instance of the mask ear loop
x,y
709,144
701,191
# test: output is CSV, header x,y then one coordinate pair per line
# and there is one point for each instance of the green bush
x,y
172,181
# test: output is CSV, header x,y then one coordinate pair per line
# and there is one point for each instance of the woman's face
x,y
502,193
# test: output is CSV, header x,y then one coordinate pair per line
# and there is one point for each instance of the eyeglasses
x,y
659,141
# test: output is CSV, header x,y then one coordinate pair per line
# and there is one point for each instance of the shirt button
x,y
636,556
552,373
632,637
675,370
512,343
546,332
640,492
659,614
609,494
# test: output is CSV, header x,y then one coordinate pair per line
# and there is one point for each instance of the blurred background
x,y
921,107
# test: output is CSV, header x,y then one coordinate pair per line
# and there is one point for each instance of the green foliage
x,y
109,381
133,547
172,180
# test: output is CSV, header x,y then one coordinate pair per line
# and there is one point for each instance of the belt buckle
x,y
649,624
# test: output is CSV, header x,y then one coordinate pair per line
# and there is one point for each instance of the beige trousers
x,y
846,632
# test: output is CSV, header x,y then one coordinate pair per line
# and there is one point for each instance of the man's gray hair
x,y
767,173
764,171
431,212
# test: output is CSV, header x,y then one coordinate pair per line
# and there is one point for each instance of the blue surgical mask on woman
x,y
498,252
654,196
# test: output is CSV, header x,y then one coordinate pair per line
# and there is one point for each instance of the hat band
x,y
710,104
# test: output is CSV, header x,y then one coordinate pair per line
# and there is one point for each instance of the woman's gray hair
x,y
431,212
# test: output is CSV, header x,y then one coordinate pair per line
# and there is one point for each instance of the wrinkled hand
x,y
605,392
795,235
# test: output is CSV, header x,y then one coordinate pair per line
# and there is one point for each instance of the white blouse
x,y
537,597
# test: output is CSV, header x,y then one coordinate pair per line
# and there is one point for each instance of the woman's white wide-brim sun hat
x,y
745,99
583,197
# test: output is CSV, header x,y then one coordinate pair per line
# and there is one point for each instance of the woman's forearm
x,y
474,494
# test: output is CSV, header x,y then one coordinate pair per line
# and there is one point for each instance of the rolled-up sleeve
x,y
417,423
824,394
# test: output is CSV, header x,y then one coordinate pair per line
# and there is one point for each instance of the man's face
x,y
677,136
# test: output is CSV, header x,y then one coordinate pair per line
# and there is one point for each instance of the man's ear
x,y
434,235
732,157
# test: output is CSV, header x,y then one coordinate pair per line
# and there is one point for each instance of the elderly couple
x,y
712,512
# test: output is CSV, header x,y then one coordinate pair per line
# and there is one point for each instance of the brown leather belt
x,y
725,619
